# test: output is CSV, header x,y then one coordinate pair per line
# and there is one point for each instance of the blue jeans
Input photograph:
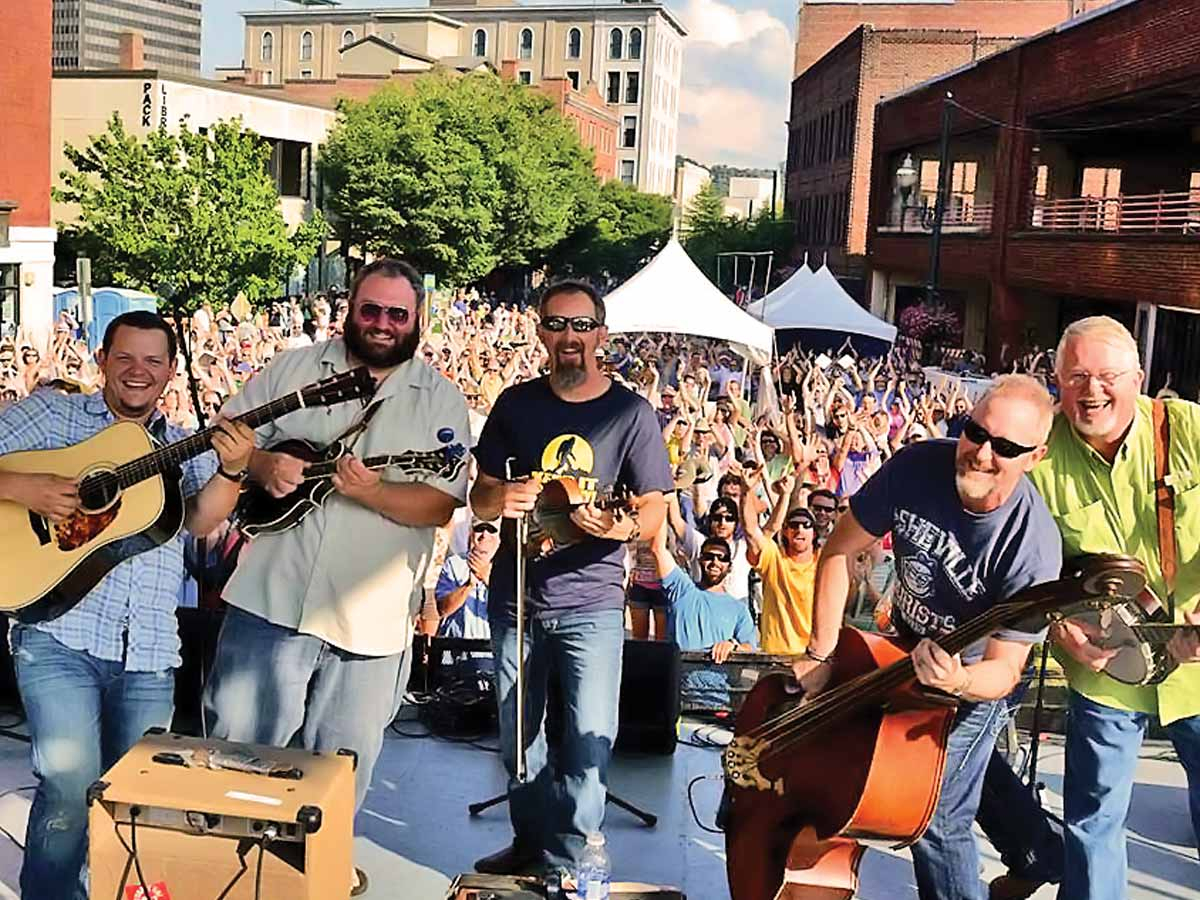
x,y
84,713
1102,753
563,796
273,685
946,858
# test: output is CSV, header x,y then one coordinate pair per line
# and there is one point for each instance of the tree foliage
x,y
457,175
182,213
627,229
705,213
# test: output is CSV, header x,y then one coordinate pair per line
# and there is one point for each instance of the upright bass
x,y
864,758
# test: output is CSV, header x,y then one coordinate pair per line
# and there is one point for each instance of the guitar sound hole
x,y
97,491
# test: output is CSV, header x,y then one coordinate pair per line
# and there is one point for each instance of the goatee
x,y
381,357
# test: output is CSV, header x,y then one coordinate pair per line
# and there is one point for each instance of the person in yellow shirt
x,y
787,566
1098,481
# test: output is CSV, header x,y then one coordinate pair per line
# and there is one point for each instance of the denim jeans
x,y
84,713
273,685
1102,753
563,796
1029,844
946,858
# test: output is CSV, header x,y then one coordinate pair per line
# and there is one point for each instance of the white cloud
x,y
711,22
731,125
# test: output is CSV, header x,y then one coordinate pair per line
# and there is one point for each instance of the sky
x,y
736,71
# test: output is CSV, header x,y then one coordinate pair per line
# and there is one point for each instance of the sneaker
x,y
1012,887
512,860
360,883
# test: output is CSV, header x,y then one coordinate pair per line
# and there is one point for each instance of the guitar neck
x,y
1159,632
159,461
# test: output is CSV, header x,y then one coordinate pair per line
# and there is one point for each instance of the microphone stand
x,y
522,536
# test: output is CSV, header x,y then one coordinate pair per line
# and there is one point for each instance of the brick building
x,y
1075,187
26,234
595,121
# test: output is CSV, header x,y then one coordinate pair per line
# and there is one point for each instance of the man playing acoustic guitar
x,y
96,678
970,531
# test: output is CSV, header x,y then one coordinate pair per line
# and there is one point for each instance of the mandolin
x,y
551,528
130,501
258,512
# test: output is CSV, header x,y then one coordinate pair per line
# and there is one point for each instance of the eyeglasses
x,y
484,528
721,517
806,524
1108,379
1003,447
579,324
397,315
821,507
714,557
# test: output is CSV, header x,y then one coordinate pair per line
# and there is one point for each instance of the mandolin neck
x,y
406,460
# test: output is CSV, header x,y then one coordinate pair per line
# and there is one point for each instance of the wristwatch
x,y
239,477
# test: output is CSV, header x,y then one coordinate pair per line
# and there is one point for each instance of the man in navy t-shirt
x,y
577,424
969,531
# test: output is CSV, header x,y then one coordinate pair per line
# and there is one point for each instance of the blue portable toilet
x,y
67,300
110,302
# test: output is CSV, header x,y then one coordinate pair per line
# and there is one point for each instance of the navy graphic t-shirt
x,y
611,441
952,564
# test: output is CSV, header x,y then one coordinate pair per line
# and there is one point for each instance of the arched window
x,y
480,42
574,43
347,37
306,45
616,44
635,43
267,51
525,48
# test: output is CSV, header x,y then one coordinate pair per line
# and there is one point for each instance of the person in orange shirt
x,y
788,568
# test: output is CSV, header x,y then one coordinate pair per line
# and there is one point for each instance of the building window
x,y
573,77
306,73
962,190
525,48
635,43
631,86
10,297
306,45
479,45
614,87
347,37
525,77
268,77
574,43
616,44
267,50
627,171
629,132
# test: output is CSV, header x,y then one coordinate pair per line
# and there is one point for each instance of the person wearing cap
x,y
703,616
722,523
787,566
462,586
667,410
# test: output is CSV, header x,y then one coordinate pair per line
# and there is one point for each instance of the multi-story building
x,y
848,56
87,33
1074,188
26,235
631,51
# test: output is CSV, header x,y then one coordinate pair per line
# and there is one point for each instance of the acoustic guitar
x,y
259,512
130,501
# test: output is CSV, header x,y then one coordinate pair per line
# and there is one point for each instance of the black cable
x,y
692,803
134,812
262,848
1081,129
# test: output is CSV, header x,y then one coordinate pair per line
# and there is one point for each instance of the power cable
x,y
1080,129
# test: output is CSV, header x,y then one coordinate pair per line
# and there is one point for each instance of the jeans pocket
x,y
984,726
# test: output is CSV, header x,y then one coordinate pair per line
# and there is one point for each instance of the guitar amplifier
x,y
195,818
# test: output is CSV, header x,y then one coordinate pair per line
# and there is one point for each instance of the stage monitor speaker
x,y
166,814
649,716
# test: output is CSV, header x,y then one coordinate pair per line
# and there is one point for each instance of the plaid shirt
x,y
138,597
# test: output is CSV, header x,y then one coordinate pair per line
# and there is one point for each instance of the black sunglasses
x,y
397,315
799,523
579,324
1003,447
821,507
484,528
714,557
721,517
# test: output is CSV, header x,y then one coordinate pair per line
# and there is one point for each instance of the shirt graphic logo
x,y
570,455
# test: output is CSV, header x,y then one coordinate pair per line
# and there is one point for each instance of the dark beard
x,y
402,352
565,376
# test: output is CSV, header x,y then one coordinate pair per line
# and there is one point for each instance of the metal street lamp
x,y
906,180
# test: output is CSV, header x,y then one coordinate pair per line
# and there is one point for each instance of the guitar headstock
x,y
1094,581
352,385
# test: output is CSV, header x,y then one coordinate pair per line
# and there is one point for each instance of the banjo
x,y
1139,631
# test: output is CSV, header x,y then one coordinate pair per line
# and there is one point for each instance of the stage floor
x,y
414,834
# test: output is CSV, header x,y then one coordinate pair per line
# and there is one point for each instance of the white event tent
x,y
815,300
671,295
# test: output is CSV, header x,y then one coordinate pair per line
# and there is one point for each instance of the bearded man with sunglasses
x,y
576,423
969,531
315,647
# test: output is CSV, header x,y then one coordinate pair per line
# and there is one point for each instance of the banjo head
x,y
1135,662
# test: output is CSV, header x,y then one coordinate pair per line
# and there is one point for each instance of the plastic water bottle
x,y
595,871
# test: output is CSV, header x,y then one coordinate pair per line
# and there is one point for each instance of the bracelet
x,y
818,658
238,477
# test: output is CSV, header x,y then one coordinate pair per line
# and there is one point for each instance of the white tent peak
x,y
817,300
670,294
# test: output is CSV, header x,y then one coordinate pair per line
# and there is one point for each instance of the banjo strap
x,y
1164,502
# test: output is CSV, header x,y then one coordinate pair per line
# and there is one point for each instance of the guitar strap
x,y
1164,502
350,436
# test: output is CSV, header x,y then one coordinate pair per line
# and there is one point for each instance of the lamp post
x,y
906,180
939,209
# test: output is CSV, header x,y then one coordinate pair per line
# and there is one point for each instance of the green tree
x,y
457,175
196,215
705,212
628,228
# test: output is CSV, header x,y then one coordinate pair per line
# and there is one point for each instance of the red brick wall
x,y
25,134
821,26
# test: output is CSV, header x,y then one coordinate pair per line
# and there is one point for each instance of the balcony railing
x,y
961,218
1161,213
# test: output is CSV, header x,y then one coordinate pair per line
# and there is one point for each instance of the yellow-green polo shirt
x,y
1109,508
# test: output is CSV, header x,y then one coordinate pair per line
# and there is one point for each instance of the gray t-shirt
x,y
952,565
